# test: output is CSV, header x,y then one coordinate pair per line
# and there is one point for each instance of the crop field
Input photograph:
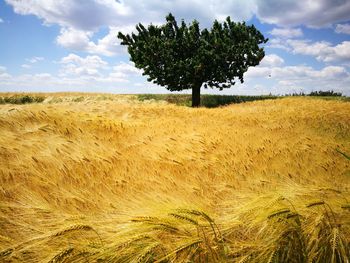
x,y
109,178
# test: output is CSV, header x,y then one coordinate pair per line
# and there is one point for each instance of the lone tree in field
x,y
185,57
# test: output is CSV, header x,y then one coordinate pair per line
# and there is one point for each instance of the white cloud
x,y
43,76
79,20
124,71
109,45
79,40
306,47
272,60
311,13
127,68
96,69
35,59
94,61
278,43
74,39
258,72
89,15
77,73
83,67
307,74
3,74
2,69
289,79
26,66
91,73
342,29
31,61
1,20
332,72
287,32
321,50
85,15
329,78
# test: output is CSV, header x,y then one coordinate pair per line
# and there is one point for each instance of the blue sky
x,y
71,45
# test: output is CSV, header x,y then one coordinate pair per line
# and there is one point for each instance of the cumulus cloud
x,y
307,79
34,59
92,14
80,66
272,60
109,45
321,50
3,74
287,32
89,73
289,79
74,39
278,43
81,15
318,49
311,13
79,40
342,29
38,82
96,69
79,20
306,73
26,66
124,71
31,61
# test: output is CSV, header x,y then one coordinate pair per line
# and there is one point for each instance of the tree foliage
x,y
185,57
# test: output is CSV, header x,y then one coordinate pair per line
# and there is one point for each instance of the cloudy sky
x,y
71,45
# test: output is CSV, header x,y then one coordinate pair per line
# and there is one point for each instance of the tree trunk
x,y
196,95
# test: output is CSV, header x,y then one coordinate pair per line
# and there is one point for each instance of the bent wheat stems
x,y
109,178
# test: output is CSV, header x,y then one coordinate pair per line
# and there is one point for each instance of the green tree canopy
x,y
183,56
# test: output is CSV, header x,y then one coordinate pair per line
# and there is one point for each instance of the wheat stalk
x,y
60,257
317,203
72,229
278,213
6,252
334,242
187,246
184,218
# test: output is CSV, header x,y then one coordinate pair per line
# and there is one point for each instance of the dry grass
x,y
86,178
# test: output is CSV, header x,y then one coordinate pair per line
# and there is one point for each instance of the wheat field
x,y
107,178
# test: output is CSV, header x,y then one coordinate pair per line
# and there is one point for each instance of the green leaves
x,y
184,57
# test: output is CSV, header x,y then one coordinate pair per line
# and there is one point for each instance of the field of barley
x,y
108,178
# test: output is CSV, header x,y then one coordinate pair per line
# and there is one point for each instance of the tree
x,y
185,57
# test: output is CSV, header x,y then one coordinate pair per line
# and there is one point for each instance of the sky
x,y
72,45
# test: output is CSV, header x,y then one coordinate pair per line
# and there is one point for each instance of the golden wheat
x,y
101,177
